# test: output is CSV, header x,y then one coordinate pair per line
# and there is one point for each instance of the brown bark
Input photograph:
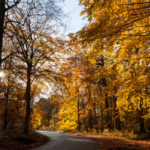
x,y
2,18
90,112
6,110
78,105
141,119
3,10
28,99
117,119
102,119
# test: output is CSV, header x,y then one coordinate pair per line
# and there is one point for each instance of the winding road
x,y
60,141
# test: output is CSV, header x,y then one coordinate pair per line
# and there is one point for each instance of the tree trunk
x,y
90,111
141,119
2,18
6,109
85,122
102,119
107,113
78,105
95,118
117,119
142,127
118,123
90,120
28,99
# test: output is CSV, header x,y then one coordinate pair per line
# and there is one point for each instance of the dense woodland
x,y
97,80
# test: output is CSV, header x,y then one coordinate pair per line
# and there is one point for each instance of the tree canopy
x,y
97,80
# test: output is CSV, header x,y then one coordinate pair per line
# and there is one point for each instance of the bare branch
x,y
16,2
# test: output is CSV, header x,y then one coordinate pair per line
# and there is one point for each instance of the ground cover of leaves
x,y
21,142
116,143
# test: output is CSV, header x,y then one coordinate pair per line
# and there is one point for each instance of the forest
x,y
95,80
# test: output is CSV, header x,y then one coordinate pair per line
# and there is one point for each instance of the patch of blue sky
x,y
73,20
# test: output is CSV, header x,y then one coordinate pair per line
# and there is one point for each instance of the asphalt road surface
x,y
60,141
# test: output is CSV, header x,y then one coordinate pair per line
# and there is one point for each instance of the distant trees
x,y
45,112
11,101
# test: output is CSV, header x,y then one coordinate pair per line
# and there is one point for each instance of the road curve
x,y
60,141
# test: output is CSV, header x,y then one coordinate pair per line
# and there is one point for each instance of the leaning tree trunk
x,y
2,17
28,99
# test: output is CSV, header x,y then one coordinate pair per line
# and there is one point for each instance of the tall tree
x,y
4,8
34,49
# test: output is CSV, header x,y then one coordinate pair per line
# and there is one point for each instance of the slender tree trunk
x,y
117,119
85,122
90,112
107,112
78,107
95,118
142,127
118,122
6,109
90,121
141,119
102,119
2,18
95,109
111,115
28,99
